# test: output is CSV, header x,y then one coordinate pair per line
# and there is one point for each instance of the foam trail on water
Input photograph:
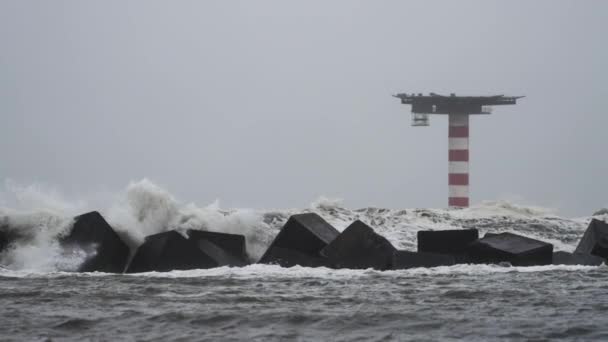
x,y
39,215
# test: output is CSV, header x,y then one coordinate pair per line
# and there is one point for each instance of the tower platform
x,y
458,109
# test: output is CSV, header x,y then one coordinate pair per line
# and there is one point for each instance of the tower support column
x,y
458,169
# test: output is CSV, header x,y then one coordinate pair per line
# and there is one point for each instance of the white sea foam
x,y
272,271
40,214
36,247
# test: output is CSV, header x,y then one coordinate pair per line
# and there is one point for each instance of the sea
x,y
43,299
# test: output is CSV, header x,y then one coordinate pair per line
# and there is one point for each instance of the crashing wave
x,y
39,217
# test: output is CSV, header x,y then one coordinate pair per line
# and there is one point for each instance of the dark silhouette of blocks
x,y
407,259
359,247
225,249
169,251
451,242
105,250
566,258
5,238
595,239
303,234
515,249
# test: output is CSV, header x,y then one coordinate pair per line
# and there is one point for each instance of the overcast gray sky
x,y
270,104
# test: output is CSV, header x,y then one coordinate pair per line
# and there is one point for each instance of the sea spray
x,y
142,209
147,209
35,244
40,216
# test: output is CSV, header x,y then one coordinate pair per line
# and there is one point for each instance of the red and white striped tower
x,y
458,169
458,109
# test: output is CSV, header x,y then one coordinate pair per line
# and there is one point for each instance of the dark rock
x,y
169,251
595,239
5,238
450,242
289,258
358,246
225,249
515,249
407,259
106,252
305,234
566,258
231,243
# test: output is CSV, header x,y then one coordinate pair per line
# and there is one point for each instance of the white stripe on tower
x,y
458,176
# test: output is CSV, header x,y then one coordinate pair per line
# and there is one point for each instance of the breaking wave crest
x,y
40,215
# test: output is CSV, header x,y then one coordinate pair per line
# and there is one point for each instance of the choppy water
x,y
39,300
268,303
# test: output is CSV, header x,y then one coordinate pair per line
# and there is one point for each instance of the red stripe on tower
x,y
458,179
459,155
459,132
458,173
459,202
